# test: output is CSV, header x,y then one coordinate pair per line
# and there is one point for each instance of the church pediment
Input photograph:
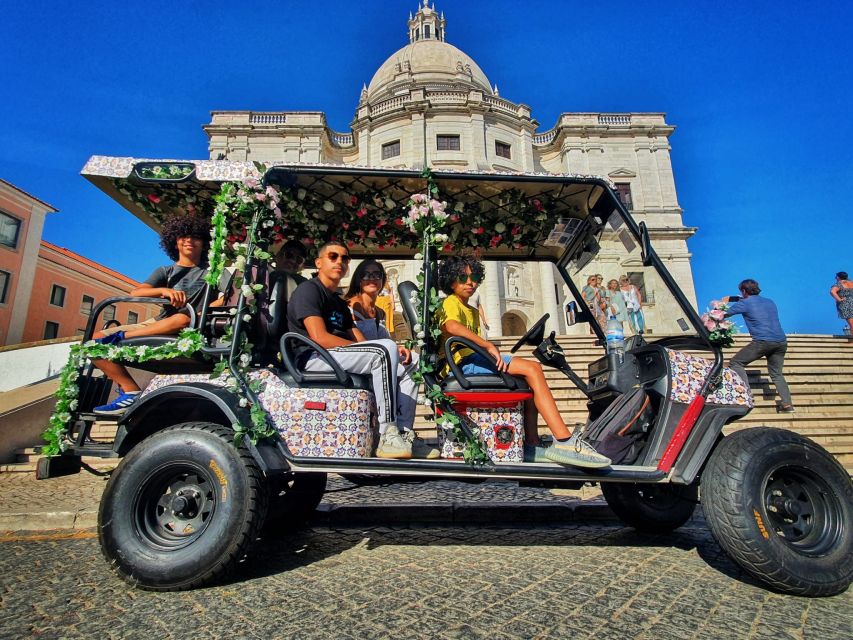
x,y
622,173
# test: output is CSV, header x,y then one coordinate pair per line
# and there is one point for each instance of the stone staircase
x,y
819,370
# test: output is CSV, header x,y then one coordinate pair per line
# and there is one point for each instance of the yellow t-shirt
x,y
384,302
454,309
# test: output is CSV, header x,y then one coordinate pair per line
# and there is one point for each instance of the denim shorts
x,y
476,365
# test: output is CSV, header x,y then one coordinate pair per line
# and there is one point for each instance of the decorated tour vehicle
x,y
230,434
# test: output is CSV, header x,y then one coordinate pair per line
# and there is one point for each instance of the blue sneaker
x,y
113,338
117,406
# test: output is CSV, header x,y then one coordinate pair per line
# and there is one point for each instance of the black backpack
x,y
620,432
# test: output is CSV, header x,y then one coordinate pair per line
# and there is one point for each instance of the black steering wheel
x,y
534,335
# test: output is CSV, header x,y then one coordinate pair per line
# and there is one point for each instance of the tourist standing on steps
x,y
768,339
842,293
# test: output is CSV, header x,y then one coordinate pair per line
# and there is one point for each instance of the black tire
x,y
651,508
182,508
293,500
782,507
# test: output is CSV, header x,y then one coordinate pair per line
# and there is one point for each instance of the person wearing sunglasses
x,y
290,259
459,277
316,311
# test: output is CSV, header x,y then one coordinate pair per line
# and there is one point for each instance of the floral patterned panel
x,y
206,170
318,423
501,430
688,372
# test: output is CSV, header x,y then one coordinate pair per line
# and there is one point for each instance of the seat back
x,y
405,290
272,315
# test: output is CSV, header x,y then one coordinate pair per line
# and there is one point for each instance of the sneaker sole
x,y
394,456
434,455
585,464
110,412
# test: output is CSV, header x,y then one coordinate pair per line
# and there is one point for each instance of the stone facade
x,y
431,105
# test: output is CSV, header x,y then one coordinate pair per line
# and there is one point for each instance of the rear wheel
x,y
182,508
782,507
651,508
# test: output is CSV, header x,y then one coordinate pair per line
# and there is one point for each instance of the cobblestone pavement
x,y
597,581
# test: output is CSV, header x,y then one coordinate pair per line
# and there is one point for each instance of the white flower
x,y
458,207
301,194
389,203
421,335
184,345
247,317
419,256
328,206
72,405
245,358
232,311
417,328
64,417
243,402
240,263
500,227
71,391
441,237
141,351
73,376
421,343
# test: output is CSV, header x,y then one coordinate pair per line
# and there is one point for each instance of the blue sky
x,y
760,93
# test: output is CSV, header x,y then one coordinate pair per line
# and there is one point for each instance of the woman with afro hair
x,y
459,277
185,238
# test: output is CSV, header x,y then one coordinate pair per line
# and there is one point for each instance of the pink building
x,y
21,223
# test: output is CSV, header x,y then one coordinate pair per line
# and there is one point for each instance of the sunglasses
x,y
334,255
475,278
371,275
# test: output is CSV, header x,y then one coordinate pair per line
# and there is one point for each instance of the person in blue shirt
x,y
768,338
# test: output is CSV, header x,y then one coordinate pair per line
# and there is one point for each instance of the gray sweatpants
x,y
775,354
396,393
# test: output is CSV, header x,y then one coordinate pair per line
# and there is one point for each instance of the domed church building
x,y
430,104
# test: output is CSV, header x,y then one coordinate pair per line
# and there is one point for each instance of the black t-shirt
x,y
311,298
190,280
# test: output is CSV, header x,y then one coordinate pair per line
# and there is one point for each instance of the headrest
x,y
405,290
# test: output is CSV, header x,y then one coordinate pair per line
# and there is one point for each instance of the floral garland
x,y
721,331
427,217
169,172
189,342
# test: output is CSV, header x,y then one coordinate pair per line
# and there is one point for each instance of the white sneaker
x,y
577,453
393,445
420,449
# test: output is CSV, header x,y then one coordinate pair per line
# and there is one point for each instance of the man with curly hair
x,y
185,239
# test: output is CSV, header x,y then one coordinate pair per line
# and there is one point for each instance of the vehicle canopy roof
x,y
496,214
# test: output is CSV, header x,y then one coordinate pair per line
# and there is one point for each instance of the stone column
x,y
549,300
490,297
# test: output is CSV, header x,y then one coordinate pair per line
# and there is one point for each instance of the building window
x,y
51,330
391,150
623,190
5,279
87,305
10,229
426,32
109,313
57,296
447,143
132,317
503,150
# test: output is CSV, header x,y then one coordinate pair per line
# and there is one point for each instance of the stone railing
x,y
546,137
447,96
501,105
388,105
614,118
267,118
342,139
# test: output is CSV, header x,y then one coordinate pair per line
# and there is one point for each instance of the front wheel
x,y
651,508
782,507
182,509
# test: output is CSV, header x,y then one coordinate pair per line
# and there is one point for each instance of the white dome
x,y
429,61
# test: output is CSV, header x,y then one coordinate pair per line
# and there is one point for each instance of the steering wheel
x,y
534,335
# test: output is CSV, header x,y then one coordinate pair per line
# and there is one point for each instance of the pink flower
x,y
345,225
515,230
454,218
537,205
478,230
353,201
371,233
381,224
710,325
419,197
153,197
448,247
495,241
250,183
361,212
716,304
277,213
717,314
260,197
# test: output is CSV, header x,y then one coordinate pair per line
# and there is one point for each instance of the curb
x,y
454,513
